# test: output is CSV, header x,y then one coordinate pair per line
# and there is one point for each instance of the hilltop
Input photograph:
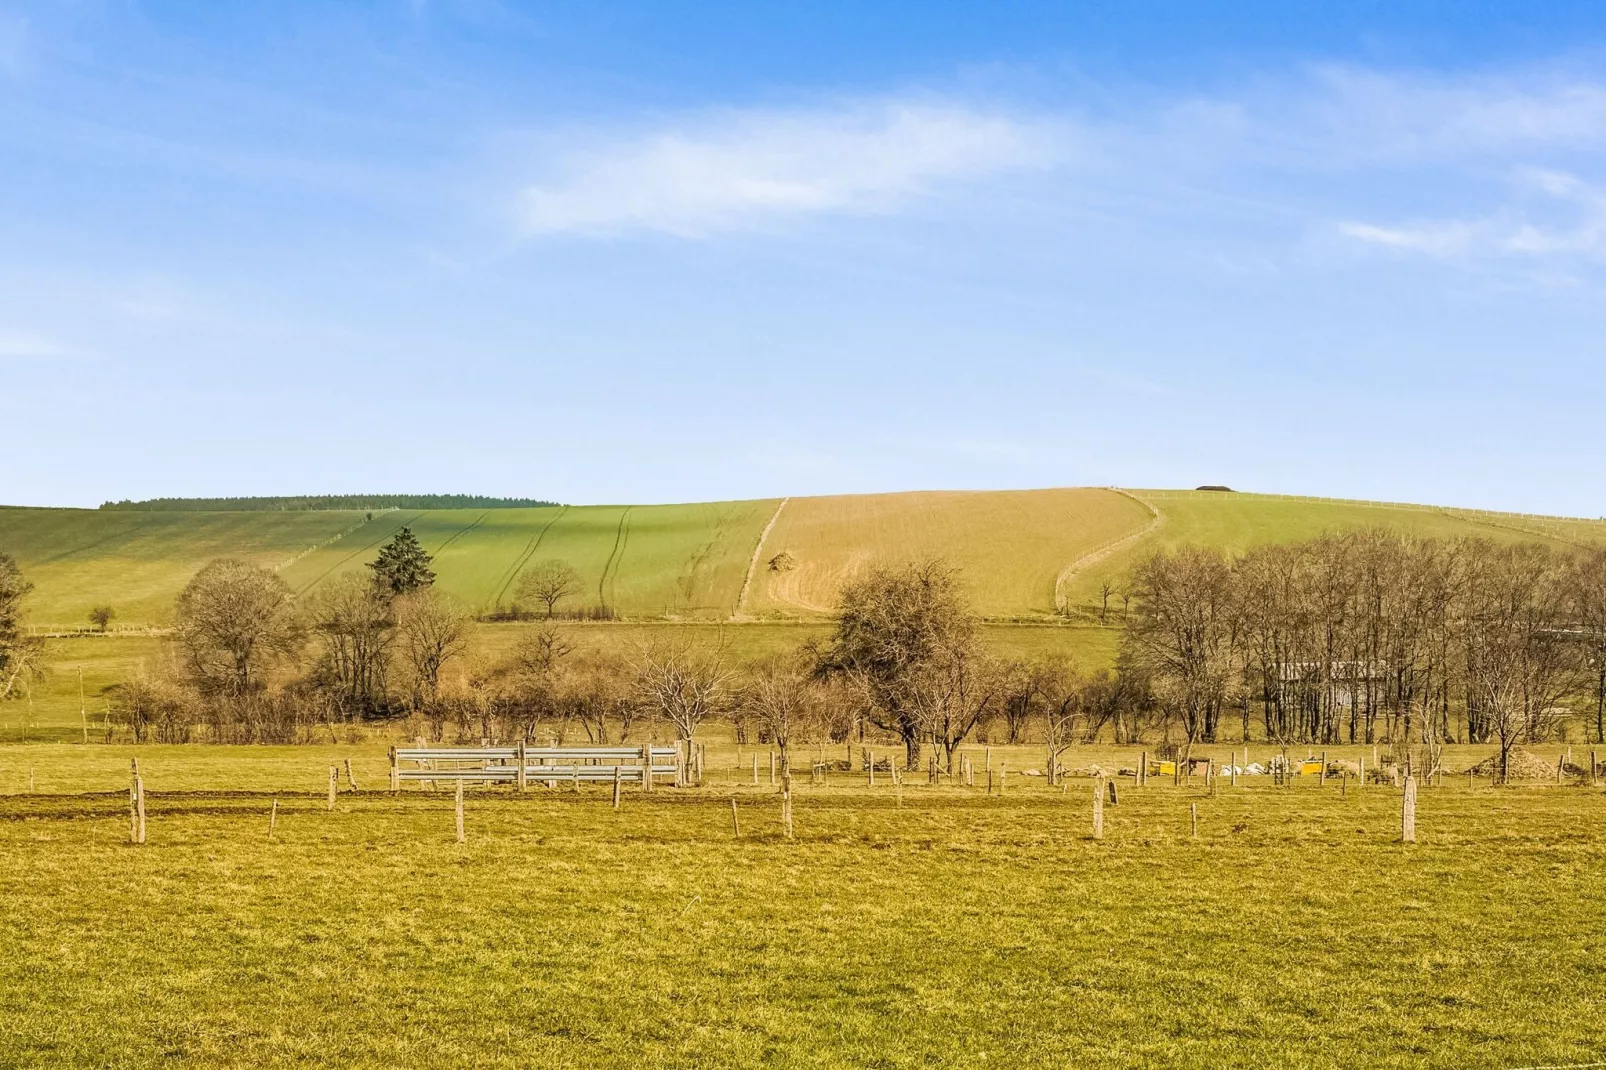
x,y
1026,554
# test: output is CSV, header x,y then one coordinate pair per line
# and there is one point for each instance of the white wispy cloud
x,y
738,169
1554,215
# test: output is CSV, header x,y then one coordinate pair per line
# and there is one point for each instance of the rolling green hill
x,y
1023,553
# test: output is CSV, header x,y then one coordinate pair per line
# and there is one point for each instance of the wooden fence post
x,y
1408,812
273,818
1098,809
1193,821
334,784
1324,769
1143,768
395,770
139,806
1594,768
618,782
786,804
772,769
755,770
646,766
1003,775
133,809
736,823
1561,768
351,781
521,776
460,835
869,765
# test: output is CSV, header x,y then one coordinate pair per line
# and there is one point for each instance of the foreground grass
x,y
955,929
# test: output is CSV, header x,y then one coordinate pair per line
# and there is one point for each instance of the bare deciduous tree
x,y
20,655
954,692
434,630
354,621
233,620
549,582
891,625
684,683
779,693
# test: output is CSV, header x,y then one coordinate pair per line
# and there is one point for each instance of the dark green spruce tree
x,y
402,566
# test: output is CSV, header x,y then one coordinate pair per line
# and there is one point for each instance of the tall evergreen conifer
x,y
402,566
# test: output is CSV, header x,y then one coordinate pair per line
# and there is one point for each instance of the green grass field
x,y
1022,553
953,929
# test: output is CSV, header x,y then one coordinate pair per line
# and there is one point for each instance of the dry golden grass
x,y
953,929
1010,545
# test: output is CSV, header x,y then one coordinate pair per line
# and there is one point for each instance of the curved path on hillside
x,y
752,564
1088,560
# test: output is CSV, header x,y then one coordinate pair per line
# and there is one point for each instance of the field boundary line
x,y
330,541
1106,549
752,564
360,550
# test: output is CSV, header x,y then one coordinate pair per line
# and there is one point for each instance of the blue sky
x,y
667,252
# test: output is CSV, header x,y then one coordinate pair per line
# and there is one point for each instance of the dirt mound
x,y
1520,765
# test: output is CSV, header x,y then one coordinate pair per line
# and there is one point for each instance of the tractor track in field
x,y
525,554
752,564
360,550
125,533
621,539
1101,553
477,522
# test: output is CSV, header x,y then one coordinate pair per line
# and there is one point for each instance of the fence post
x,y
351,781
395,770
618,780
786,804
1193,821
334,784
139,805
460,835
273,818
1143,768
736,824
1003,775
1098,808
1408,812
755,770
772,769
133,809
869,764
1594,768
646,766
1324,769
520,776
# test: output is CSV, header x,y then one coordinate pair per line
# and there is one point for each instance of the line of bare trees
x,y
1374,636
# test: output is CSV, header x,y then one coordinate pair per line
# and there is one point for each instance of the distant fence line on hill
x,y
87,631
320,502
1197,495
